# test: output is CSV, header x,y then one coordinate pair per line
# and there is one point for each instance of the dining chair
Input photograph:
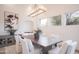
x,y
71,47
59,49
28,47
65,47
18,44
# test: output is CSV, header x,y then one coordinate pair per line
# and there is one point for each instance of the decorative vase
x,y
12,32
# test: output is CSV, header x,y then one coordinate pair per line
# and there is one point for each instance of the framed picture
x,y
10,20
56,20
50,21
72,18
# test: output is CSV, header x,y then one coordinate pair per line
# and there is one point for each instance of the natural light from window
x,y
43,22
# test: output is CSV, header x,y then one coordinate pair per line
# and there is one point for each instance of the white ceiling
x,y
52,9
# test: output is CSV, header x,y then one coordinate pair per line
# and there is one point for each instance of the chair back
x,y
71,48
63,47
27,46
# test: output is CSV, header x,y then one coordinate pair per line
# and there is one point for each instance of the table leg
x,y
44,51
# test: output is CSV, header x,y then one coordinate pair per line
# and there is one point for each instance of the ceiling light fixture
x,y
35,10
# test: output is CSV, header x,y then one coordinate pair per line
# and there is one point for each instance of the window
x,y
43,22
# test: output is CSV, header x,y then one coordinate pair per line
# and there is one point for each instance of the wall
x,y
65,32
19,9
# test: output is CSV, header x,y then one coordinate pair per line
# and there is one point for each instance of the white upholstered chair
x,y
60,49
18,44
66,47
71,47
27,46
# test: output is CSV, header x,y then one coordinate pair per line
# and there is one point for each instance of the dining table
x,y
46,46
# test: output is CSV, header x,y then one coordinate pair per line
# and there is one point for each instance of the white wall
x,y
70,32
19,9
65,32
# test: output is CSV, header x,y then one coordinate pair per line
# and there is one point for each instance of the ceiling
x,y
52,9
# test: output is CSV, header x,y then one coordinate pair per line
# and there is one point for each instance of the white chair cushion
x,y
71,48
60,49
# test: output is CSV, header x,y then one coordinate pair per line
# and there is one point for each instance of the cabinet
x,y
7,44
7,40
